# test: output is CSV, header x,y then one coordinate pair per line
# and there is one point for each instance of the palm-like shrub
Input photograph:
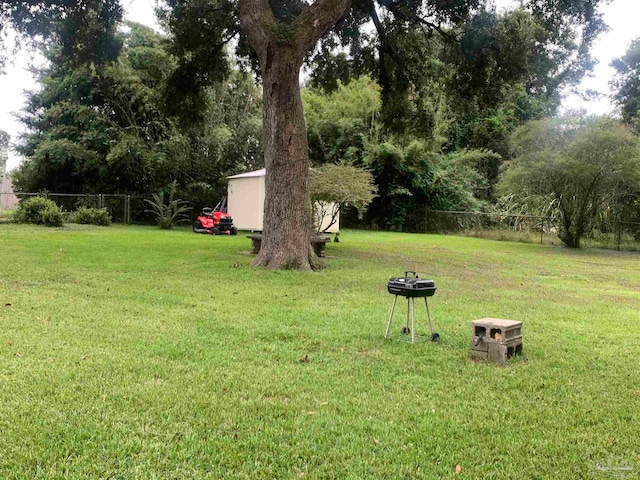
x,y
170,213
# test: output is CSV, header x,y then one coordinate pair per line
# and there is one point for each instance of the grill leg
x,y
408,313
393,307
428,315
413,320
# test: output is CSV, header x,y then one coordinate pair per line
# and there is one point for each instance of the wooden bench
x,y
318,243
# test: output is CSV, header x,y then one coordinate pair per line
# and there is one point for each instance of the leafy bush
x,y
39,210
171,213
52,216
334,187
92,216
30,210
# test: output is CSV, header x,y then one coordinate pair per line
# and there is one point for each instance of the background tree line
x,y
431,112
104,120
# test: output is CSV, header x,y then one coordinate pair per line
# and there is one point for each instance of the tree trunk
x,y
281,47
286,232
569,234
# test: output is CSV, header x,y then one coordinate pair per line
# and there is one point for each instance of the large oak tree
x,y
278,36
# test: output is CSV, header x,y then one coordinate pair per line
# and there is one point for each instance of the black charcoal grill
x,y
411,287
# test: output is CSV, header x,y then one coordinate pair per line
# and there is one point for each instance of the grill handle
x,y
410,271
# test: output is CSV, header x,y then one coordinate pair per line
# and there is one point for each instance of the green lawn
x,y
130,352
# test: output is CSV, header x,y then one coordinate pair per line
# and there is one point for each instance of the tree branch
x,y
227,39
257,22
416,19
376,20
316,19
433,26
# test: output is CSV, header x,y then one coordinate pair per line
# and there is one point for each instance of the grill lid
x,y
411,286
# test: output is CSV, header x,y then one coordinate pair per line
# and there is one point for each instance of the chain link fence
x,y
501,226
118,206
122,208
615,235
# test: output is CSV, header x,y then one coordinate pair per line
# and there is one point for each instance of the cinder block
x,y
497,353
496,339
479,354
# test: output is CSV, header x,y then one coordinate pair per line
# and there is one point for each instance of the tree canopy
x,y
412,170
583,163
4,139
83,30
626,83
105,127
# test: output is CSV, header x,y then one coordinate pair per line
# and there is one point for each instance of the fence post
x,y
542,230
426,220
127,207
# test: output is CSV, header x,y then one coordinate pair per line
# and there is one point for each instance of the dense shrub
x,y
30,210
52,216
39,210
92,216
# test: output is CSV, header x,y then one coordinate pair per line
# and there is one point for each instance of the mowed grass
x,y
130,352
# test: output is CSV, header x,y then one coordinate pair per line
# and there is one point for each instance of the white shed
x,y
246,202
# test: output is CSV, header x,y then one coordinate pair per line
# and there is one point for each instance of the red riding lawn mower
x,y
216,221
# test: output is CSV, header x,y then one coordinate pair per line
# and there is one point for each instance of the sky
x,y
621,16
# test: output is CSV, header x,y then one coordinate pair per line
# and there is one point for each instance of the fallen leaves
x,y
305,358
458,468
18,355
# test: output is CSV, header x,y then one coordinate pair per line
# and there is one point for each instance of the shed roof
x,y
257,173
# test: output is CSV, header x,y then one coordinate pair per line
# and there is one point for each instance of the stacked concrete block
x,y
496,339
